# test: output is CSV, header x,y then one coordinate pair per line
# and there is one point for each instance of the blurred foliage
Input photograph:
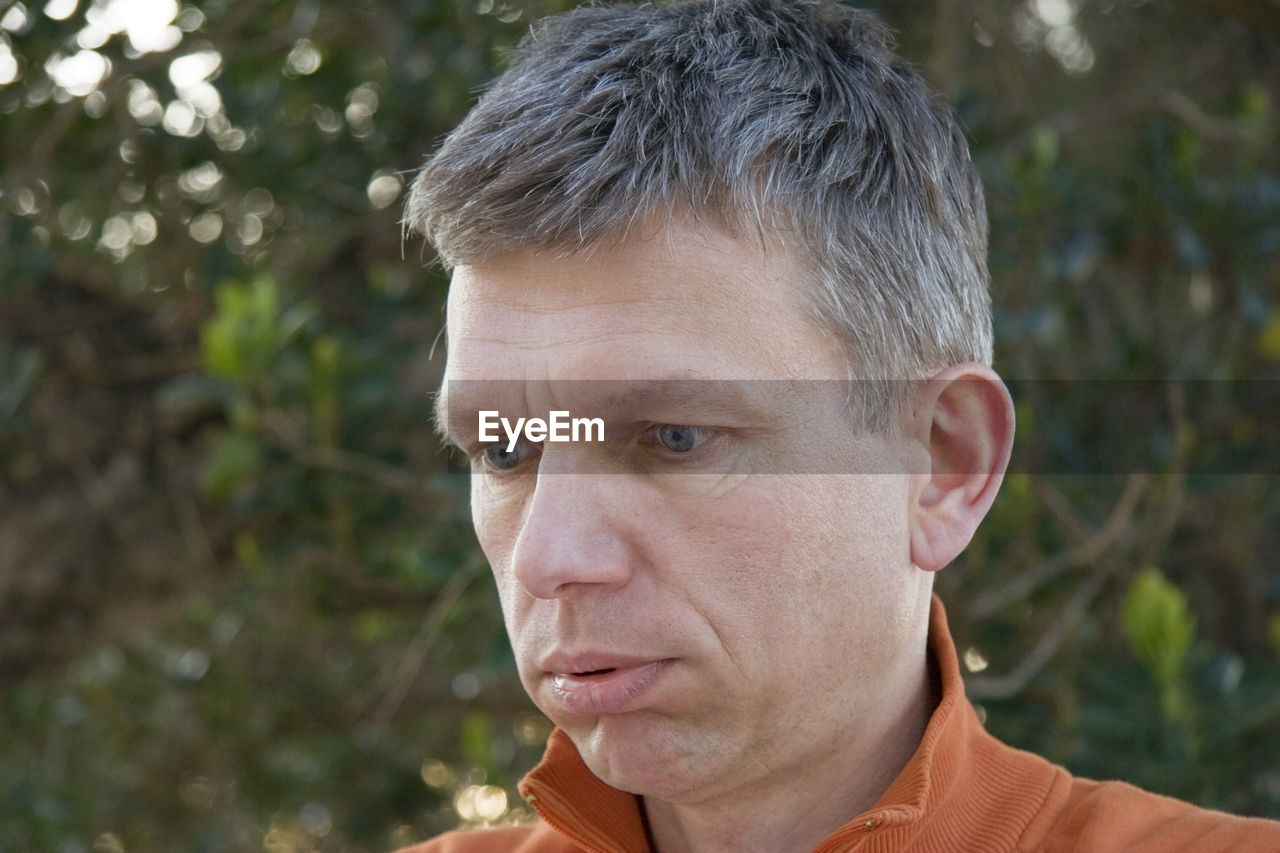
x,y
1159,630
242,604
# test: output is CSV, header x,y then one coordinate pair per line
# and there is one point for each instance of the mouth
x,y
606,690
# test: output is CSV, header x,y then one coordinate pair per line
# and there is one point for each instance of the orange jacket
x,y
962,792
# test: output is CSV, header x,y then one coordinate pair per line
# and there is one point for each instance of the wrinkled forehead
x,y
666,318
653,306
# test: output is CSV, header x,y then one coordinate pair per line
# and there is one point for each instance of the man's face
x,y
688,600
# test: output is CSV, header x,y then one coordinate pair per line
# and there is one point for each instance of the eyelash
x,y
703,435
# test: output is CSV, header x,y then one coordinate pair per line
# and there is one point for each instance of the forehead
x,y
693,302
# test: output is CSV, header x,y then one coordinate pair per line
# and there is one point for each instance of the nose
x,y
573,538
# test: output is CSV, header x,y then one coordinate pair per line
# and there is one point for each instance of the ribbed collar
x,y
961,784
574,801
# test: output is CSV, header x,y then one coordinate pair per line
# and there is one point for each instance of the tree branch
x,y
1004,686
1084,554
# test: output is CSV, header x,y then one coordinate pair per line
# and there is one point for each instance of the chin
x,y
639,754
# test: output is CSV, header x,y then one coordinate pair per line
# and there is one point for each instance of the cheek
x,y
750,566
496,519
482,515
799,560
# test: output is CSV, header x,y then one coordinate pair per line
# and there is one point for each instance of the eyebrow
x,y
677,392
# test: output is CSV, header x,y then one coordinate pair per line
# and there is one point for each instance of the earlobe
x,y
964,418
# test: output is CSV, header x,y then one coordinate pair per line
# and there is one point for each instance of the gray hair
x,y
793,120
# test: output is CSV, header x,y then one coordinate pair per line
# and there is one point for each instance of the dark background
x,y
240,603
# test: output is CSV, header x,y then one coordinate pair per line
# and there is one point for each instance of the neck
x,y
791,809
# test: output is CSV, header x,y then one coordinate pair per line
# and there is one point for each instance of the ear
x,y
963,417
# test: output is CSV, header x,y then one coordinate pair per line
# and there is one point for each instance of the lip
x,y
601,684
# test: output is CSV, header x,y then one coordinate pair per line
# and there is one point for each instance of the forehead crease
x,y
673,390
518,293
532,339
516,318
640,272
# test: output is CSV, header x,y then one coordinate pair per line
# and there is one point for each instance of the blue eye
x,y
680,438
501,459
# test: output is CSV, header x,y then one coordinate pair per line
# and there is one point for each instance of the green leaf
x,y
1159,629
236,457
242,338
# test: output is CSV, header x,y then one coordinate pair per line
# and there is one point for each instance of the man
x,y
744,237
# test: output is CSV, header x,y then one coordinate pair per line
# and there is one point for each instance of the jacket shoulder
x,y
1115,816
531,838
